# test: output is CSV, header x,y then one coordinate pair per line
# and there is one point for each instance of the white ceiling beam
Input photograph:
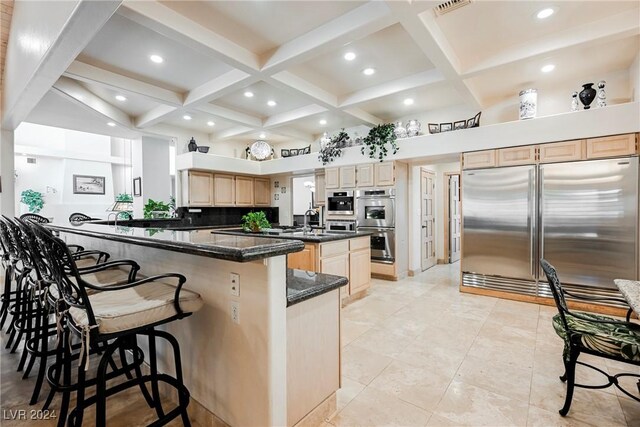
x,y
82,24
110,80
231,115
427,35
421,79
178,27
358,23
293,115
222,85
231,132
79,94
605,30
292,133
154,116
362,115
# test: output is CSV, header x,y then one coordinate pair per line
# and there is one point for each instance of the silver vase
x,y
602,95
400,131
413,128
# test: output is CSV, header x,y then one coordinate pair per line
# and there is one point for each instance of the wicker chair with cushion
x,y
116,316
31,217
593,334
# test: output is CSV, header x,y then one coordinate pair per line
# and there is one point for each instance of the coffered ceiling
x,y
238,69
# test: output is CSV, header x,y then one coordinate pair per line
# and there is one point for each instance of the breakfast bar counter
x,y
262,351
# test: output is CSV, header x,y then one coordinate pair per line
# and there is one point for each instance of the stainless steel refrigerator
x,y
580,216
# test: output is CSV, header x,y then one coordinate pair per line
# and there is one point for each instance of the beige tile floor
x,y
418,352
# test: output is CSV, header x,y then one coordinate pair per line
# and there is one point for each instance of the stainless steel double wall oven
x,y
375,212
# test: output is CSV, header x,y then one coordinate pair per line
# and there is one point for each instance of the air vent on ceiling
x,y
31,160
450,6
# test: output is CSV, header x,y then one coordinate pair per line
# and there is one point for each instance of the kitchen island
x,y
345,254
274,363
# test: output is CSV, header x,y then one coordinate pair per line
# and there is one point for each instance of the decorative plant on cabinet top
x,y
255,221
33,200
378,139
332,149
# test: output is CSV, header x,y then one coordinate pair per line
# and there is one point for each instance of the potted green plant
x,y
153,209
33,200
255,221
124,197
378,139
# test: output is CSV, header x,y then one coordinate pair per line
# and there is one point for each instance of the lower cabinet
x,y
348,258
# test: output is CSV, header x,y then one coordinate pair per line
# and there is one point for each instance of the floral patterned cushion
x,y
616,340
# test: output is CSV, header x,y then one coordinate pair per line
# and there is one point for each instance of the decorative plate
x,y
260,149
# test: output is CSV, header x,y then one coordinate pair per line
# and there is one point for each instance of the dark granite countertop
x,y
309,238
239,248
303,285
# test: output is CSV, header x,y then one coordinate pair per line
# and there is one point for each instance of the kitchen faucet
x,y
307,228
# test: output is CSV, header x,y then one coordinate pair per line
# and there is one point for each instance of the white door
x,y
454,218
428,221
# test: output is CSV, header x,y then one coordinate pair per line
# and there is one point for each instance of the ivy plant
x,y
159,209
124,197
33,200
333,149
255,221
377,140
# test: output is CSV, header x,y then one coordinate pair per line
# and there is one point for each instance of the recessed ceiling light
x,y
210,123
368,71
548,68
323,122
111,124
545,13
262,135
272,103
248,94
349,56
186,117
157,59
408,101
121,98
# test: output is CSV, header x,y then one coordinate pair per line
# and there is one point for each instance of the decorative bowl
x,y
203,149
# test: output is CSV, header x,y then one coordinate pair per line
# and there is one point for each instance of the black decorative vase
x,y
587,95
193,146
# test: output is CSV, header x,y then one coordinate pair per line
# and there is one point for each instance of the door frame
x,y
447,255
435,215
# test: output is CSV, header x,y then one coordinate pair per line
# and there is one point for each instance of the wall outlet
x,y
235,312
234,279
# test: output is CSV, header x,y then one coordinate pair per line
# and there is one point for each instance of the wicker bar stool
x,y
116,316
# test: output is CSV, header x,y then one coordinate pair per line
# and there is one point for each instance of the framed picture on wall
x,y
445,127
137,187
459,125
88,184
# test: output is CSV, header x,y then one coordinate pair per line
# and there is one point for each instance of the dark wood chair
x,y
78,217
31,217
593,334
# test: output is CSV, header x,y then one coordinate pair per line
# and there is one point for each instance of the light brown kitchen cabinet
x,y
385,174
612,146
364,175
332,178
566,151
303,260
359,269
338,265
348,177
515,156
224,190
262,192
479,159
200,189
321,190
244,190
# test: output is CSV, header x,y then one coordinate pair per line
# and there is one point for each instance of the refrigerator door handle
x,y
532,221
541,206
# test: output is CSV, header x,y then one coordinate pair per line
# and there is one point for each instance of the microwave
x,y
340,225
340,203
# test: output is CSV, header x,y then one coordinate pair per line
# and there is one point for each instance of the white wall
x,y
634,78
415,205
284,202
301,194
150,161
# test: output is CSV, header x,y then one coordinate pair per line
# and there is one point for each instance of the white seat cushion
x,y
131,308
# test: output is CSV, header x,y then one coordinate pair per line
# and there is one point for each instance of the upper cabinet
x,y
479,159
244,190
566,151
516,156
348,177
385,174
200,190
262,192
224,190
332,178
361,176
364,174
612,146
321,190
